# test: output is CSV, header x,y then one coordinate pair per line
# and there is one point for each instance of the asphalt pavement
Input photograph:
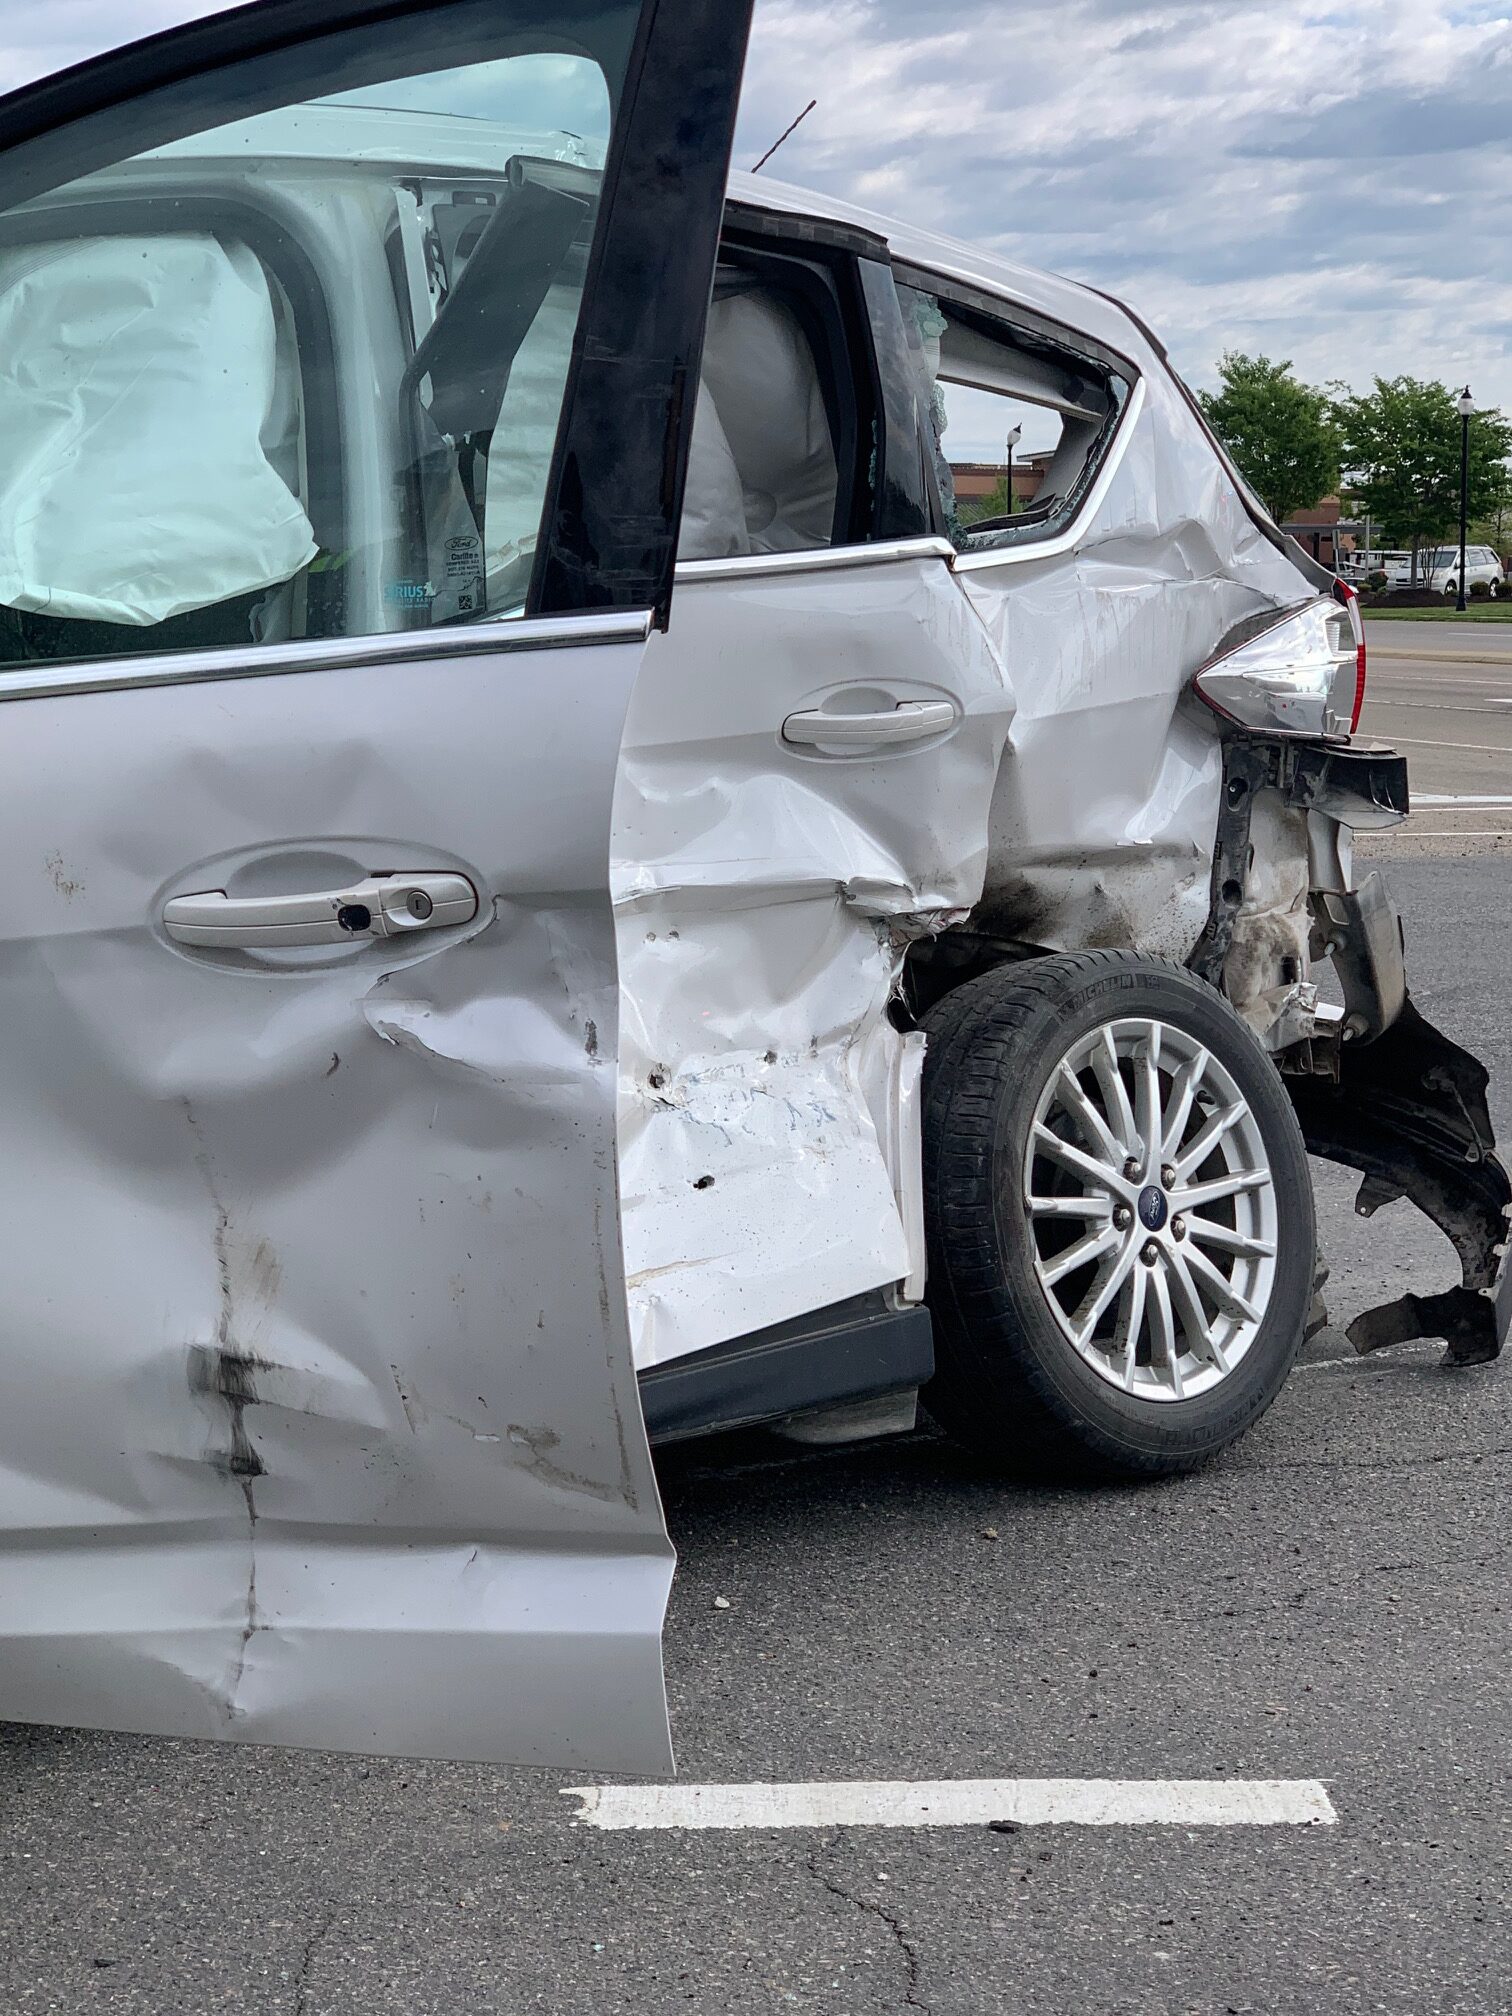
x,y
1330,1599
1441,693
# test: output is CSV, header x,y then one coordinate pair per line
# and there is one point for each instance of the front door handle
x,y
909,721
381,906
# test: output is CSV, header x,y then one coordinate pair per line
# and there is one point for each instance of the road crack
x,y
890,1919
307,1961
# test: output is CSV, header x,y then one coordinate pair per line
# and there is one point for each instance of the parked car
x,y
1438,570
557,891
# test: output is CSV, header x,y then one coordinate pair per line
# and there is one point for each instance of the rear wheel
x,y
1121,1234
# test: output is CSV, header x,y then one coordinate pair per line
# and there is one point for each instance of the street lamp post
x,y
1015,435
1466,407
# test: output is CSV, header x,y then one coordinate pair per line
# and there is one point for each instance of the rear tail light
x,y
1297,671
1350,598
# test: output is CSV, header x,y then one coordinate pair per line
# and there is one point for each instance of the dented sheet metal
x,y
1104,818
765,896
320,1424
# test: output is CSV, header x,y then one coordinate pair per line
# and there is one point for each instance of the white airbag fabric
x,y
762,471
139,405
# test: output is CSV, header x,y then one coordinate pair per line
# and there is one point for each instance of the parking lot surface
x,y
1442,694
1329,1600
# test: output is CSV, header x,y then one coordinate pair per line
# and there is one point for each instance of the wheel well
x,y
935,967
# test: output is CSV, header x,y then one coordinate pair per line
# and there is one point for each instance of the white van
x,y
559,895
1438,569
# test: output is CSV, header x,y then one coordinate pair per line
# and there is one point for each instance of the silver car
x,y
567,889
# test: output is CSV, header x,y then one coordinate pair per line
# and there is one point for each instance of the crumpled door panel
x,y
318,1422
765,896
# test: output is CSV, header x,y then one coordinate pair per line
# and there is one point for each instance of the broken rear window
x,y
1018,423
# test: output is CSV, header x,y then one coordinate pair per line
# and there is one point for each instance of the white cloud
x,y
36,40
1306,180
1319,181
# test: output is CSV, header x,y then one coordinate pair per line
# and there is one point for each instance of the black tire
x,y
1008,1381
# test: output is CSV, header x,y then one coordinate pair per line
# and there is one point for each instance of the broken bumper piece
x,y
1407,1108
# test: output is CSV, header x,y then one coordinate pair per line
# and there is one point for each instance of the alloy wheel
x,y
1151,1209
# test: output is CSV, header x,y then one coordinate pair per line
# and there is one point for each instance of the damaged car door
x,y
807,775
320,1420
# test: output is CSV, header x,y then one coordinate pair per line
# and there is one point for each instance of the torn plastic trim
x,y
1409,1112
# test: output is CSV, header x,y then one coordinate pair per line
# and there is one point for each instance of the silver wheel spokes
x,y
1152,1211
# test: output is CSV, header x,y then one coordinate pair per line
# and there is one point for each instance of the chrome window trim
x,y
322,654
1072,534
814,559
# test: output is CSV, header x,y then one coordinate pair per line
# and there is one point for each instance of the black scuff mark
x,y
591,1038
628,1491
335,1064
221,1371
413,1412
228,1373
535,1451
68,886
230,1376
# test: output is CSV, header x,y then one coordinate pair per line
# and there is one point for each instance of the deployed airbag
x,y
762,475
140,407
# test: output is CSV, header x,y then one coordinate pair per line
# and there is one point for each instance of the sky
x,y
1323,183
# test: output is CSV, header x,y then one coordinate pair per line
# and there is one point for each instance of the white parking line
x,y
1431,742
964,1802
1455,798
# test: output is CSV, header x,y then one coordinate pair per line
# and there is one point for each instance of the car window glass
x,y
1018,424
763,474
299,375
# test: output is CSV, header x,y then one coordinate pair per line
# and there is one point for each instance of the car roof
x,y
364,137
1079,307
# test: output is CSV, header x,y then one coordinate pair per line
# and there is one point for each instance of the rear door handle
x,y
382,906
909,721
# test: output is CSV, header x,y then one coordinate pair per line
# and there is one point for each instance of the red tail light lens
x,y
1349,598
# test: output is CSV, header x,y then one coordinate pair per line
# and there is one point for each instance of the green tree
x,y
1494,528
1401,457
995,505
1281,432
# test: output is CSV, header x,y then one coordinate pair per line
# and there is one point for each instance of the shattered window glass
x,y
1015,426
